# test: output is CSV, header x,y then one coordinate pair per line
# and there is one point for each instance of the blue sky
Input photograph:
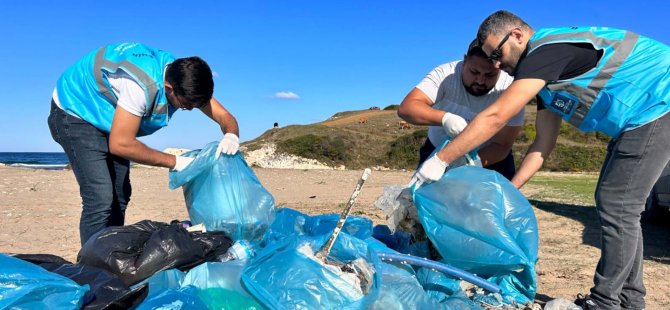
x,y
292,62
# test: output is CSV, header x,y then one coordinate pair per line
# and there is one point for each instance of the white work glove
x,y
181,162
431,170
229,145
453,124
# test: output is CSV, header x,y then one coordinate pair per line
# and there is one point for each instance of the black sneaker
x,y
586,302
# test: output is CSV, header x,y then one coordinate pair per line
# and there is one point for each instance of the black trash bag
x,y
214,244
135,252
107,290
44,260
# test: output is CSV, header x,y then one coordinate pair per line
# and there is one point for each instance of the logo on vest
x,y
143,55
563,103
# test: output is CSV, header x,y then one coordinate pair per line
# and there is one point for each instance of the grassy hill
x,y
374,138
574,151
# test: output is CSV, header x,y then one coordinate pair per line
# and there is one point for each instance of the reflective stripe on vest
x,y
586,96
131,69
84,90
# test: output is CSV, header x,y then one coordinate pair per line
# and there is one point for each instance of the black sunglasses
x,y
496,54
178,102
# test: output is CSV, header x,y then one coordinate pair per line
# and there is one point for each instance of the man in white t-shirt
x,y
113,95
451,95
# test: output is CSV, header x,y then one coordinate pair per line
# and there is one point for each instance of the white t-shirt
x,y
445,87
130,94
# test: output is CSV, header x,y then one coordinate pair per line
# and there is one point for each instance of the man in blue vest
x,y
113,95
598,79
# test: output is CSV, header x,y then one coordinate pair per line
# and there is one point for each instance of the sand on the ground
x,y
40,209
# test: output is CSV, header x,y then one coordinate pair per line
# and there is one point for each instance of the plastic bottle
x,y
240,250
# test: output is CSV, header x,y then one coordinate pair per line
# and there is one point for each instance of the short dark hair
x,y
499,23
475,50
191,79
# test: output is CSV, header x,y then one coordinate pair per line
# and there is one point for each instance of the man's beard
x,y
477,90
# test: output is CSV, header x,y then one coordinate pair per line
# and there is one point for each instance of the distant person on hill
x,y
598,79
451,95
110,97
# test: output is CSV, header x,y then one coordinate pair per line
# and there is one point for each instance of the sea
x,y
34,160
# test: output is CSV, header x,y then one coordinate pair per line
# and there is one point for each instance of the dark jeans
x,y
104,179
633,163
504,167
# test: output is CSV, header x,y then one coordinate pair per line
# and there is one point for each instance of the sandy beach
x,y
40,212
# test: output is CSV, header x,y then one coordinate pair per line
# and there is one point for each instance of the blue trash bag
x,y
167,292
469,159
402,288
208,286
25,285
163,280
184,298
400,241
224,194
478,221
289,222
220,286
356,226
285,274
282,276
445,289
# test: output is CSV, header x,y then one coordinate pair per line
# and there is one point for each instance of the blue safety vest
x,y
629,87
84,91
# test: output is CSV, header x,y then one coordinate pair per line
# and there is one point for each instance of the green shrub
x,y
575,158
325,149
393,107
602,137
527,133
567,158
569,132
403,153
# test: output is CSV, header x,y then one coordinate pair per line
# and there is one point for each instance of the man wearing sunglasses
x,y
451,95
113,95
598,79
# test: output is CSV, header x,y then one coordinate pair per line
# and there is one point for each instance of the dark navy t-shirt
x,y
559,61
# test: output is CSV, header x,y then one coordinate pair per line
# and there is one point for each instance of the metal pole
x,y
325,250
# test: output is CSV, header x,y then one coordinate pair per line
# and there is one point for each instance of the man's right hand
x,y
453,124
181,162
430,171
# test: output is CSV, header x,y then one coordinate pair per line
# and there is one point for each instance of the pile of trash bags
x,y
474,221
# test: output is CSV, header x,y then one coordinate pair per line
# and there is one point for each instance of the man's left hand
x,y
228,145
453,124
